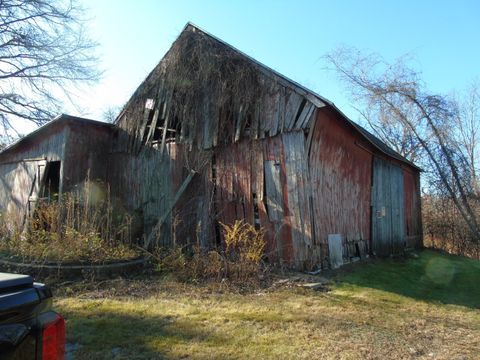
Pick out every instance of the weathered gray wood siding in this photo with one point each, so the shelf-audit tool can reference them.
(81, 148)
(270, 106)
(299, 199)
(388, 226)
(19, 171)
(85, 154)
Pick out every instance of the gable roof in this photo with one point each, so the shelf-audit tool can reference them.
(60, 120)
(316, 99)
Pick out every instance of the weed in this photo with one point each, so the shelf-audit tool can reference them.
(239, 261)
(81, 225)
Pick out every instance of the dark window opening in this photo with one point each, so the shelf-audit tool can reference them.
(51, 184)
(172, 132)
(256, 216)
(300, 109)
(248, 125)
(357, 250)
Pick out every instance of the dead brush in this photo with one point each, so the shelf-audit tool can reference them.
(240, 261)
(81, 226)
(244, 248)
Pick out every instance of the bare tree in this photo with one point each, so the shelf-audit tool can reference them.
(44, 50)
(411, 119)
(110, 114)
(468, 129)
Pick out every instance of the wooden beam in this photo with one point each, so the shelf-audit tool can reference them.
(152, 126)
(156, 229)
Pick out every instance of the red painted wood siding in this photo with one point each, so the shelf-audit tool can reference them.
(413, 225)
(340, 170)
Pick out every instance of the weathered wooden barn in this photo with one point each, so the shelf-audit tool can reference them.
(55, 158)
(212, 135)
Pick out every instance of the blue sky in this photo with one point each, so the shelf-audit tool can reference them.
(289, 36)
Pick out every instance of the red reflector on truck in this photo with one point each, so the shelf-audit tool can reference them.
(53, 340)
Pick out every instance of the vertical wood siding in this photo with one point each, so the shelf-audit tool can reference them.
(85, 153)
(388, 208)
(17, 176)
(413, 224)
(340, 172)
(79, 147)
(299, 195)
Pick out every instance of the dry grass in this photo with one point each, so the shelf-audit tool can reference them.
(83, 225)
(240, 261)
(362, 317)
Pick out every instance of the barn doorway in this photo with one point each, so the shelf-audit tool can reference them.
(387, 208)
(51, 184)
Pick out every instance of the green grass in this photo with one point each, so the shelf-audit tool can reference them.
(432, 277)
(419, 308)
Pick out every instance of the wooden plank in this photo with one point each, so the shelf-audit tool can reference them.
(335, 250)
(274, 125)
(255, 121)
(166, 117)
(299, 195)
(146, 115)
(21, 189)
(281, 109)
(293, 103)
(305, 115)
(273, 189)
(156, 229)
(239, 123)
(152, 126)
(311, 131)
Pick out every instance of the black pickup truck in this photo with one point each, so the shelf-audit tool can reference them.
(29, 328)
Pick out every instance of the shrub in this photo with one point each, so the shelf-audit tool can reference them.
(445, 229)
(239, 260)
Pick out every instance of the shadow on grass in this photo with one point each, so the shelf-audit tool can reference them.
(432, 276)
(112, 335)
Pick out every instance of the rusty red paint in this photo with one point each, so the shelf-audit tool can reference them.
(413, 227)
(340, 173)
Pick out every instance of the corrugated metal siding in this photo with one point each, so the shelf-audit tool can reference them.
(340, 172)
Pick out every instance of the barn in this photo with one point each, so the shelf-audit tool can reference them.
(55, 158)
(210, 136)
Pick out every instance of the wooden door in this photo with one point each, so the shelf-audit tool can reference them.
(26, 186)
(387, 208)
